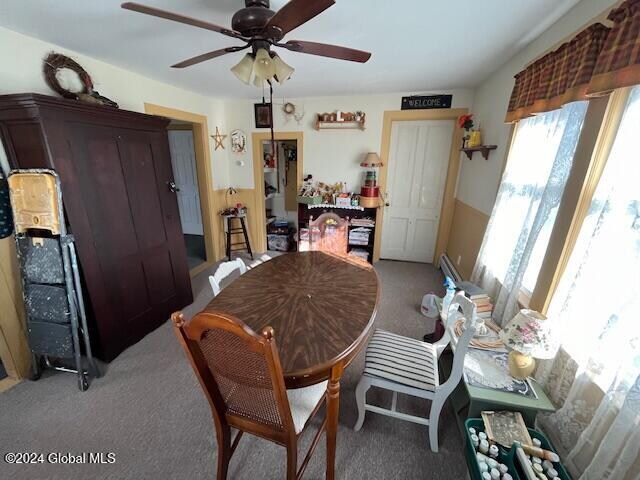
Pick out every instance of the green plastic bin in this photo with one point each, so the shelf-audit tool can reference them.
(508, 457)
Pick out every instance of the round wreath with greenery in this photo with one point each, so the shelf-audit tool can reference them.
(57, 61)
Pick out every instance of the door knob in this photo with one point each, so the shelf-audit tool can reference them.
(172, 186)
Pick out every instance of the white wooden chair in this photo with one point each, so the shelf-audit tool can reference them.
(410, 366)
(223, 271)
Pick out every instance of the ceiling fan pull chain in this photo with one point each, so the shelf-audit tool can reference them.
(273, 140)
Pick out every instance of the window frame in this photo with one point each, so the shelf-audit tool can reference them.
(598, 134)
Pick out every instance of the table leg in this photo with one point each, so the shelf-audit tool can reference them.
(333, 409)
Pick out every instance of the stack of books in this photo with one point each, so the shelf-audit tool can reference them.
(484, 307)
(359, 236)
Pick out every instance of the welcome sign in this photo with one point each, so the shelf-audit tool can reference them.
(417, 102)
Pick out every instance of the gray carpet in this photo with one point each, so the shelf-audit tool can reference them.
(149, 410)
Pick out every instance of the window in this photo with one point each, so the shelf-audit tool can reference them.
(537, 169)
(599, 294)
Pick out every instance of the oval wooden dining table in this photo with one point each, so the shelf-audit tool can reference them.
(322, 308)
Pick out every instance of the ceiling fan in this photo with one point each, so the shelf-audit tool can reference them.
(261, 28)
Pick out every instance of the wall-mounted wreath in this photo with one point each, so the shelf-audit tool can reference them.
(82, 89)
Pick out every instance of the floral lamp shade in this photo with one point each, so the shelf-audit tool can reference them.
(529, 333)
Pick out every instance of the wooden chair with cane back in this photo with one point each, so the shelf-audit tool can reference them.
(242, 378)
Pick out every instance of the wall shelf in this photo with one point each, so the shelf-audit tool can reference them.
(342, 125)
(340, 121)
(484, 149)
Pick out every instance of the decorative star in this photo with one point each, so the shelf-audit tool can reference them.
(218, 138)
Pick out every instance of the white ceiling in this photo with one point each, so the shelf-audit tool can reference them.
(416, 45)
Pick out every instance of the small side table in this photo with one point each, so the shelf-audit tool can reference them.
(231, 230)
(469, 401)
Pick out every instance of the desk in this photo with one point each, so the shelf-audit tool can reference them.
(468, 401)
(321, 307)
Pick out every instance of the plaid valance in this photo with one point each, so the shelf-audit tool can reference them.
(619, 61)
(596, 61)
(559, 77)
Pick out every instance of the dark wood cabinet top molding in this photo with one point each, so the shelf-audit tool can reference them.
(321, 306)
(30, 103)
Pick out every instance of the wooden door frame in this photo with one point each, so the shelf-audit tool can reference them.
(448, 200)
(258, 177)
(205, 177)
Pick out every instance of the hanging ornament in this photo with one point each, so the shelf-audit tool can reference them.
(218, 139)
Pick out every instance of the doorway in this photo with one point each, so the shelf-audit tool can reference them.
(419, 156)
(277, 180)
(420, 188)
(193, 178)
(185, 176)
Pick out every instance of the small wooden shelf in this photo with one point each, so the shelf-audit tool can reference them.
(347, 121)
(484, 149)
(342, 125)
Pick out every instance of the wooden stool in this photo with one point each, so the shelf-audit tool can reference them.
(246, 245)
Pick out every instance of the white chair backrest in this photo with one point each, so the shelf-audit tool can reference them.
(223, 271)
(461, 344)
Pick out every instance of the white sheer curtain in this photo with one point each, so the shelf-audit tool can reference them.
(595, 377)
(536, 173)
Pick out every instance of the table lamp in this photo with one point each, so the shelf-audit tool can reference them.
(370, 191)
(527, 336)
(229, 193)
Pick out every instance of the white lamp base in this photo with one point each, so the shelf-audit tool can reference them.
(521, 366)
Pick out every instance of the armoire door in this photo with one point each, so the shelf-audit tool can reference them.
(124, 180)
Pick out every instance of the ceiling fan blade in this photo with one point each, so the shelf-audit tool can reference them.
(297, 12)
(206, 56)
(156, 12)
(326, 50)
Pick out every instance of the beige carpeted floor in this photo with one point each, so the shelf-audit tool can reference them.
(149, 410)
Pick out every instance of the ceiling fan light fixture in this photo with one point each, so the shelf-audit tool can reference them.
(244, 69)
(283, 71)
(264, 67)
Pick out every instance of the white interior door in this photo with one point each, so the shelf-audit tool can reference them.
(418, 161)
(183, 161)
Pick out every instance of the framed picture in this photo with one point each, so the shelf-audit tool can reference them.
(238, 141)
(263, 116)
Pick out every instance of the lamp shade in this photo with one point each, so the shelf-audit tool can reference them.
(529, 333)
(264, 67)
(283, 71)
(371, 160)
(244, 68)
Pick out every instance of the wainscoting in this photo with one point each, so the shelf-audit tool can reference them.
(465, 238)
(14, 349)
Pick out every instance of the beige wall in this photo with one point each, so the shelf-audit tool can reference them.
(479, 179)
(13, 341)
(21, 72)
(329, 155)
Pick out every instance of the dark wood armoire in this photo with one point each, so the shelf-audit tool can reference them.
(115, 170)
